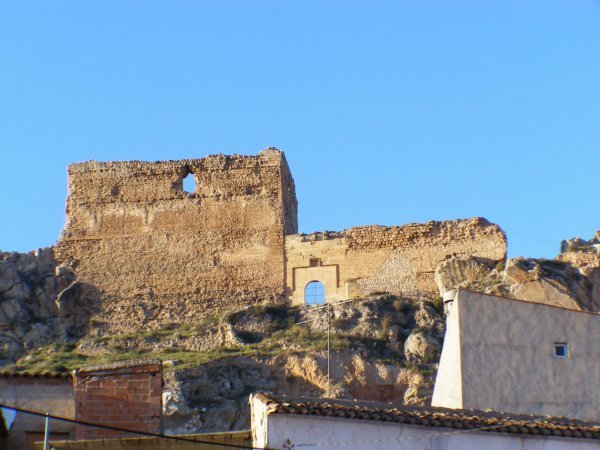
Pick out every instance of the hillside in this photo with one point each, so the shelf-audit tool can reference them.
(383, 347)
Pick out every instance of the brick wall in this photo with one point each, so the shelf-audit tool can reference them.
(124, 394)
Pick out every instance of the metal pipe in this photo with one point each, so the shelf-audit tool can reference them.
(328, 349)
(47, 430)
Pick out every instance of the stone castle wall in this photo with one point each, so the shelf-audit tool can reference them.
(150, 253)
(158, 254)
(399, 260)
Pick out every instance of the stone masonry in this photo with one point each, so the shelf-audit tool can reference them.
(153, 254)
(376, 259)
(157, 254)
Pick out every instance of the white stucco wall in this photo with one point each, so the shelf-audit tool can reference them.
(448, 384)
(54, 395)
(324, 432)
(506, 358)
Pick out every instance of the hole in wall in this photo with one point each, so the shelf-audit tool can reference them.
(189, 183)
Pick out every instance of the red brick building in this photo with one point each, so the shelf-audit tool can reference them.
(125, 394)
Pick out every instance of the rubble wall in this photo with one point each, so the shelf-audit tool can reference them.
(158, 254)
(399, 260)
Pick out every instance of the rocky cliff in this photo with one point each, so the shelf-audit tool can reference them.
(40, 303)
(382, 348)
(572, 280)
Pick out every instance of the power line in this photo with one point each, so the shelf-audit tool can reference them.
(126, 430)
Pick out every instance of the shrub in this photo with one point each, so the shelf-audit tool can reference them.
(384, 329)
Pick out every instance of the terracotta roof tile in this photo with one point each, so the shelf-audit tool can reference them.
(15, 373)
(137, 365)
(460, 419)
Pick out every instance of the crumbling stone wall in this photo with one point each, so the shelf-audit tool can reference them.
(399, 260)
(155, 254)
(158, 254)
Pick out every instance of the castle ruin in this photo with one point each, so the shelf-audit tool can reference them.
(153, 253)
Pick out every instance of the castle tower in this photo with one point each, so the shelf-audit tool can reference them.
(153, 251)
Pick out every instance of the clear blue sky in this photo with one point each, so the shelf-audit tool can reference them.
(389, 112)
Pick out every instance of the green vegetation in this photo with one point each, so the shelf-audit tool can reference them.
(386, 323)
(296, 339)
(264, 331)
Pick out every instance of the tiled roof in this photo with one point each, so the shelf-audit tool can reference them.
(136, 365)
(15, 373)
(144, 365)
(459, 419)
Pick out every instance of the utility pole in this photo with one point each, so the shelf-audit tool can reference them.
(328, 307)
(328, 350)
(328, 310)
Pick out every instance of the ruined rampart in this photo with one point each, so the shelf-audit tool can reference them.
(158, 254)
(399, 260)
(152, 253)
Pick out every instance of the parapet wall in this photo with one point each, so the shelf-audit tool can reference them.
(158, 254)
(399, 260)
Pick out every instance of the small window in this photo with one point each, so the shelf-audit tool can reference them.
(560, 350)
(314, 293)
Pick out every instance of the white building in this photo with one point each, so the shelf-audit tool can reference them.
(522, 357)
(284, 423)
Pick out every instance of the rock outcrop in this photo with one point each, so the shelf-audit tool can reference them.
(572, 280)
(383, 348)
(578, 245)
(40, 303)
(214, 397)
